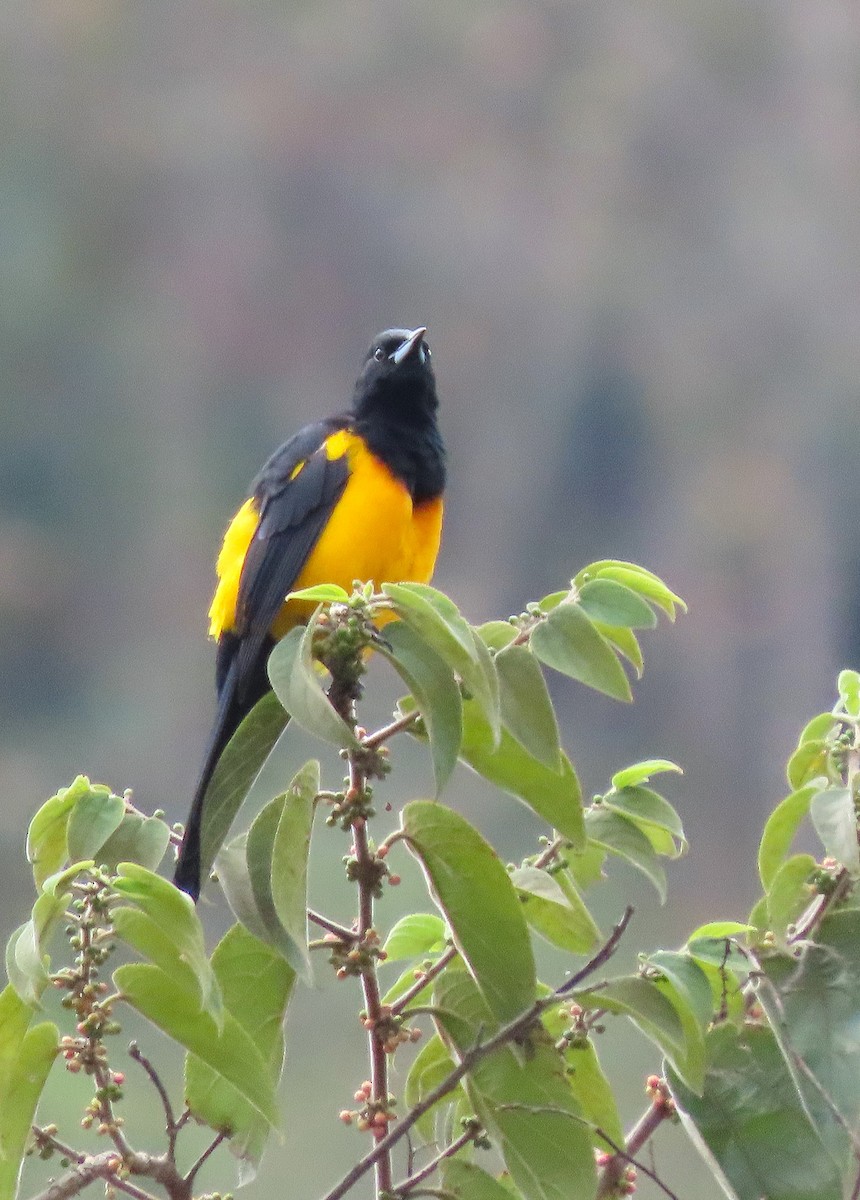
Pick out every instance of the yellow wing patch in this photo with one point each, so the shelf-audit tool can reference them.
(237, 539)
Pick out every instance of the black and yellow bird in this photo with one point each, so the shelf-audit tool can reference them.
(355, 496)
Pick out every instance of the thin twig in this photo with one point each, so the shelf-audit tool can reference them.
(370, 985)
(372, 740)
(425, 978)
(546, 856)
(514, 1030)
(210, 1149)
(603, 955)
(340, 931)
(137, 1054)
(86, 1169)
(408, 1185)
(641, 1133)
(131, 1189)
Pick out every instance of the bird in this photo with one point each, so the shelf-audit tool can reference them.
(356, 496)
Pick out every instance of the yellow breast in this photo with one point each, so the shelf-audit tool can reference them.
(374, 533)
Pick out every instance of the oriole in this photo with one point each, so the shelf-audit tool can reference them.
(355, 496)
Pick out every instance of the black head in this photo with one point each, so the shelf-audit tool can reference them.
(396, 378)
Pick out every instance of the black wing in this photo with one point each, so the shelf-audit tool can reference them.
(294, 509)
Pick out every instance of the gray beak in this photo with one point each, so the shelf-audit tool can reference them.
(408, 346)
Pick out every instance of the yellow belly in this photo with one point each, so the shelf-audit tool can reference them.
(373, 534)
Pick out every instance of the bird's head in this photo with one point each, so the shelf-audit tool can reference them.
(397, 376)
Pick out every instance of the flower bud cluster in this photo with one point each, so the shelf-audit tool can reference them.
(373, 1115)
(354, 957)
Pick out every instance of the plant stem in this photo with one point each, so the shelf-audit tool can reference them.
(210, 1149)
(408, 1185)
(387, 731)
(135, 1052)
(426, 977)
(369, 979)
(661, 1110)
(340, 931)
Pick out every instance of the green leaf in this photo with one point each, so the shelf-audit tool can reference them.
(585, 866)
(435, 691)
(568, 642)
(46, 838)
(527, 710)
(593, 1092)
(298, 687)
(142, 840)
(645, 583)
(686, 986)
(227, 1049)
(716, 943)
(789, 894)
(55, 884)
(430, 1066)
(259, 850)
(722, 952)
(175, 913)
(641, 772)
(523, 1099)
(438, 621)
(484, 686)
(835, 820)
(94, 818)
(24, 967)
(496, 634)
(154, 943)
(235, 880)
(622, 837)
(257, 985)
(548, 603)
(321, 593)
(848, 684)
(811, 760)
(625, 641)
(817, 729)
(650, 812)
(779, 833)
(26, 951)
(415, 936)
(237, 768)
(647, 1007)
(290, 860)
(615, 604)
(719, 929)
(554, 796)
(26, 1057)
(749, 1123)
(475, 893)
(550, 912)
(464, 1180)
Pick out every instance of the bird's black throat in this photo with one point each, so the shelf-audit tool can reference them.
(410, 445)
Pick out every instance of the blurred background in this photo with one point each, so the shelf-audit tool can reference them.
(632, 232)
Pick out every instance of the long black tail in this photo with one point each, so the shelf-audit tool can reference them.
(227, 720)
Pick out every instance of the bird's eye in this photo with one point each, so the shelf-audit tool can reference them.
(379, 354)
